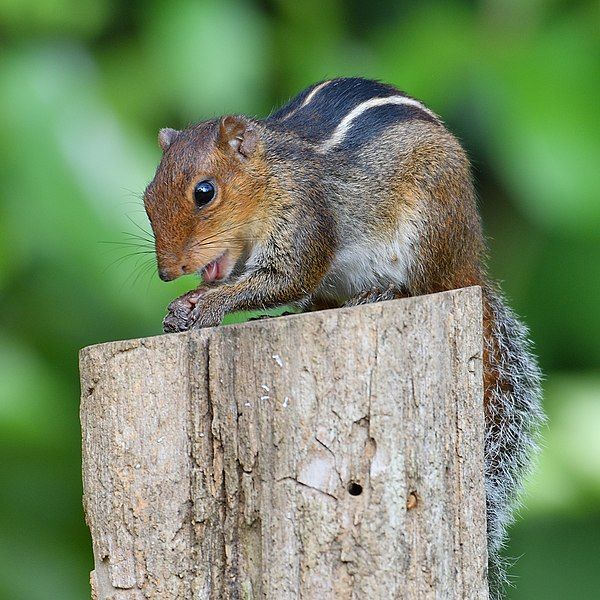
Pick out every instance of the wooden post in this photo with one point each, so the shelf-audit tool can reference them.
(331, 455)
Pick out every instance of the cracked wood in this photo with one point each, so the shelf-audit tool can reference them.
(331, 455)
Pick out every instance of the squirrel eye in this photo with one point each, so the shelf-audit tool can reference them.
(204, 192)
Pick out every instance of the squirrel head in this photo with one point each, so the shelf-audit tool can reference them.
(203, 199)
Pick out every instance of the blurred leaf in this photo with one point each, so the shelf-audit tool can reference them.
(427, 52)
(83, 17)
(568, 477)
(31, 397)
(541, 117)
(555, 557)
(208, 58)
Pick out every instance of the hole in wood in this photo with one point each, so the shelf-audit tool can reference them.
(354, 489)
(412, 501)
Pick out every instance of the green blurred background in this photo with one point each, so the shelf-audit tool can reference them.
(84, 87)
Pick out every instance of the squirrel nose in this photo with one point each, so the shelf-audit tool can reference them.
(169, 275)
(165, 275)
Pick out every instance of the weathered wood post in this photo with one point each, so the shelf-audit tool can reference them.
(331, 455)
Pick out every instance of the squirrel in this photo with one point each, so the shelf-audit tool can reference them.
(353, 192)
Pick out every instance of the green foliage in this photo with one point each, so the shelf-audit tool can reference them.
(85, 85)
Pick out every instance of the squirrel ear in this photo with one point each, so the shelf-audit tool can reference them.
(239, 134)
(166, 137)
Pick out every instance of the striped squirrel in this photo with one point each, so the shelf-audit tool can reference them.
(353, 192)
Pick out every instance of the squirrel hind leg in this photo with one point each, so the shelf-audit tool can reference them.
(377, 294)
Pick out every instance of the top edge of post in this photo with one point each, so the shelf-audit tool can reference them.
(472, 293)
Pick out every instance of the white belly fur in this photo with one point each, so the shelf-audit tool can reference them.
(361, 266)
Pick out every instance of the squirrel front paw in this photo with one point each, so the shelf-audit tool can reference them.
(206, 313)
(179, 312)
(194, 309)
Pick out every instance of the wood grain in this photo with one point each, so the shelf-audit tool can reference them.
(337, 454)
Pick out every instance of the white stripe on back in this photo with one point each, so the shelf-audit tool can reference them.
(342, 129)
(308, 98)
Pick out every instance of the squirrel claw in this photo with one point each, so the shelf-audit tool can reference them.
(205, 316)
(186, 302)
(377, 295)
(180, 311)
(172, 324)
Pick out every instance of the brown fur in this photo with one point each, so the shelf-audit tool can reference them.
(185, 238)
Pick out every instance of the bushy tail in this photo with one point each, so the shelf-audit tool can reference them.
(513, 419)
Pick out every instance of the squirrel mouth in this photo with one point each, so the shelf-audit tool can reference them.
(216, 269)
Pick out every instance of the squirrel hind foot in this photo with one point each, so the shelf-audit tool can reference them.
(377, 294)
